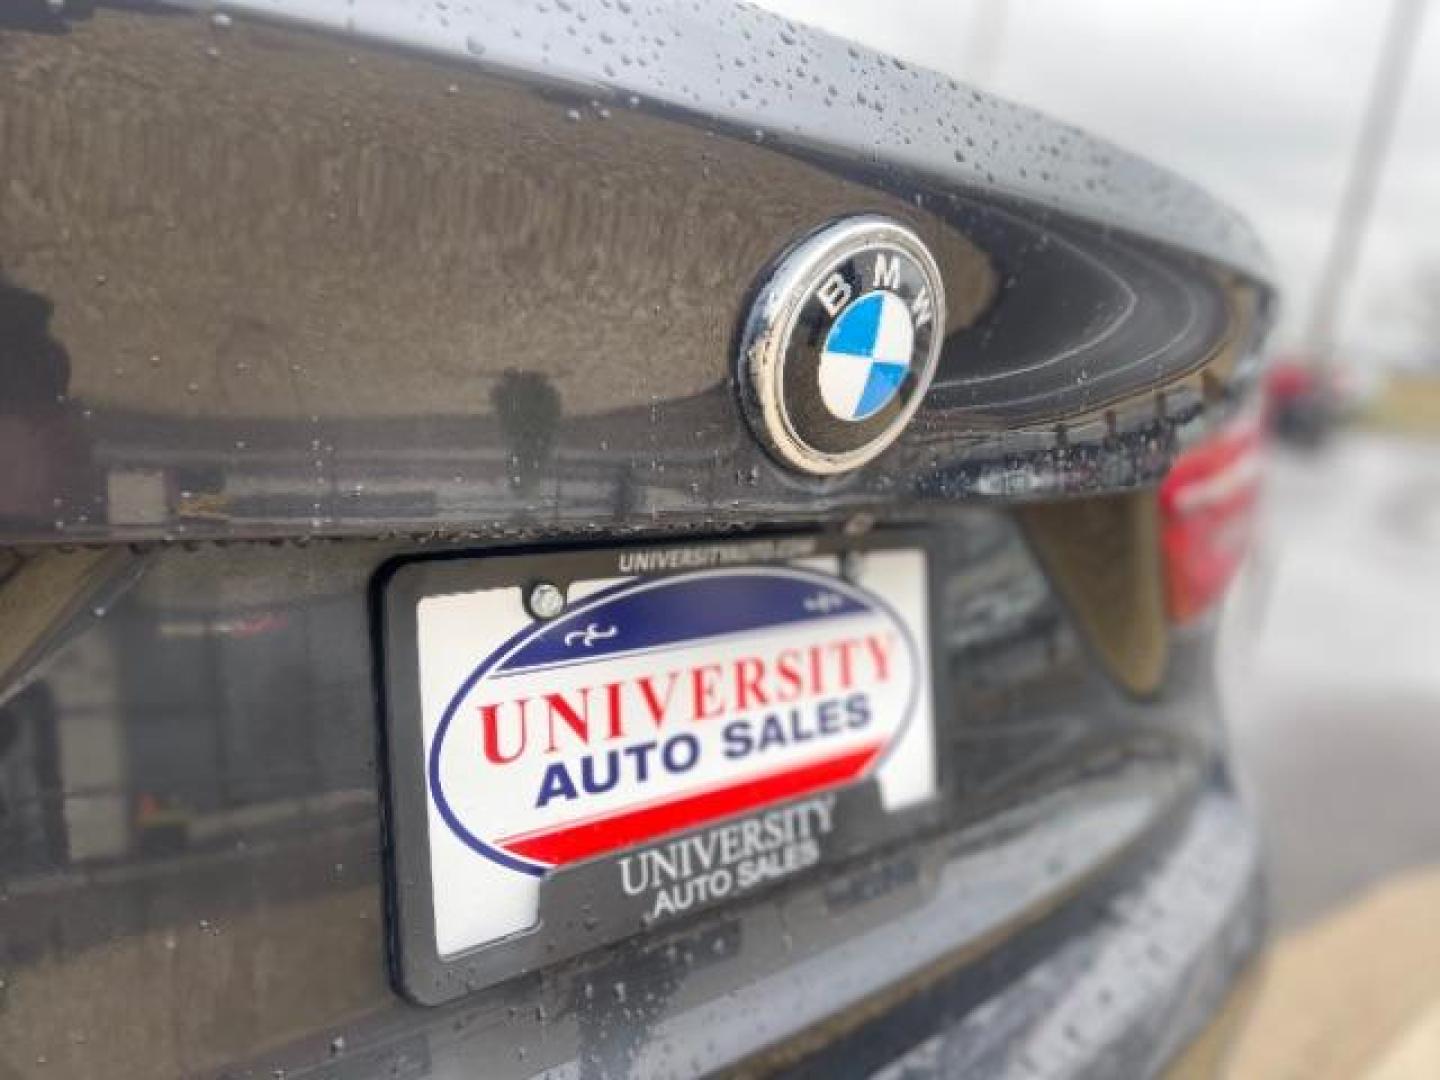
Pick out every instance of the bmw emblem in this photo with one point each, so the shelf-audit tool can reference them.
(841, 344)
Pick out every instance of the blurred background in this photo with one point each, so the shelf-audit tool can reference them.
(1320, 121)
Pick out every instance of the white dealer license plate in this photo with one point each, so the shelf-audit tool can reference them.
(694, 723)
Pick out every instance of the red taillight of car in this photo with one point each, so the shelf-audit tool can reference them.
(1207, 513)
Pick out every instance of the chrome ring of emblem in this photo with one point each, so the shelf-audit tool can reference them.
(769, 341)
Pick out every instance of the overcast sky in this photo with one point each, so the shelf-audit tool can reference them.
(1257, 100)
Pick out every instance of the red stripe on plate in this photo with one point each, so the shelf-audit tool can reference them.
(570, 843)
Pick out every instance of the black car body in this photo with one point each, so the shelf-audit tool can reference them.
(294, 293)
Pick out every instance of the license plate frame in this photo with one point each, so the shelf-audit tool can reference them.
(580, 907)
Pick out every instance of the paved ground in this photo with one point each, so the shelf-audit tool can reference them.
(1334, 698)
(1335, 694)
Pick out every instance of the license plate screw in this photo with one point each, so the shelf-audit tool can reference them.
(545, 600)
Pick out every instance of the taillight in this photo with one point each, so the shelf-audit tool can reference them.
(1207, 512)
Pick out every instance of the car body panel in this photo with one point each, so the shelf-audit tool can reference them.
(260, 281)
(209, 813)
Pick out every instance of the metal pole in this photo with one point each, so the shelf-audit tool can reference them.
(1357, 202)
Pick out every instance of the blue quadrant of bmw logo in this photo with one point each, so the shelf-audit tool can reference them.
(866, 355)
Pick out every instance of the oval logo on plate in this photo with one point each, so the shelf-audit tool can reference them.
(842, 343)
(658, 706)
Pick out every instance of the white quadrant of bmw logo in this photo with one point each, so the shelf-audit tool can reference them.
(841, 344)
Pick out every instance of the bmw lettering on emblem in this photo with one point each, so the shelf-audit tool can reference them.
(841, 344)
